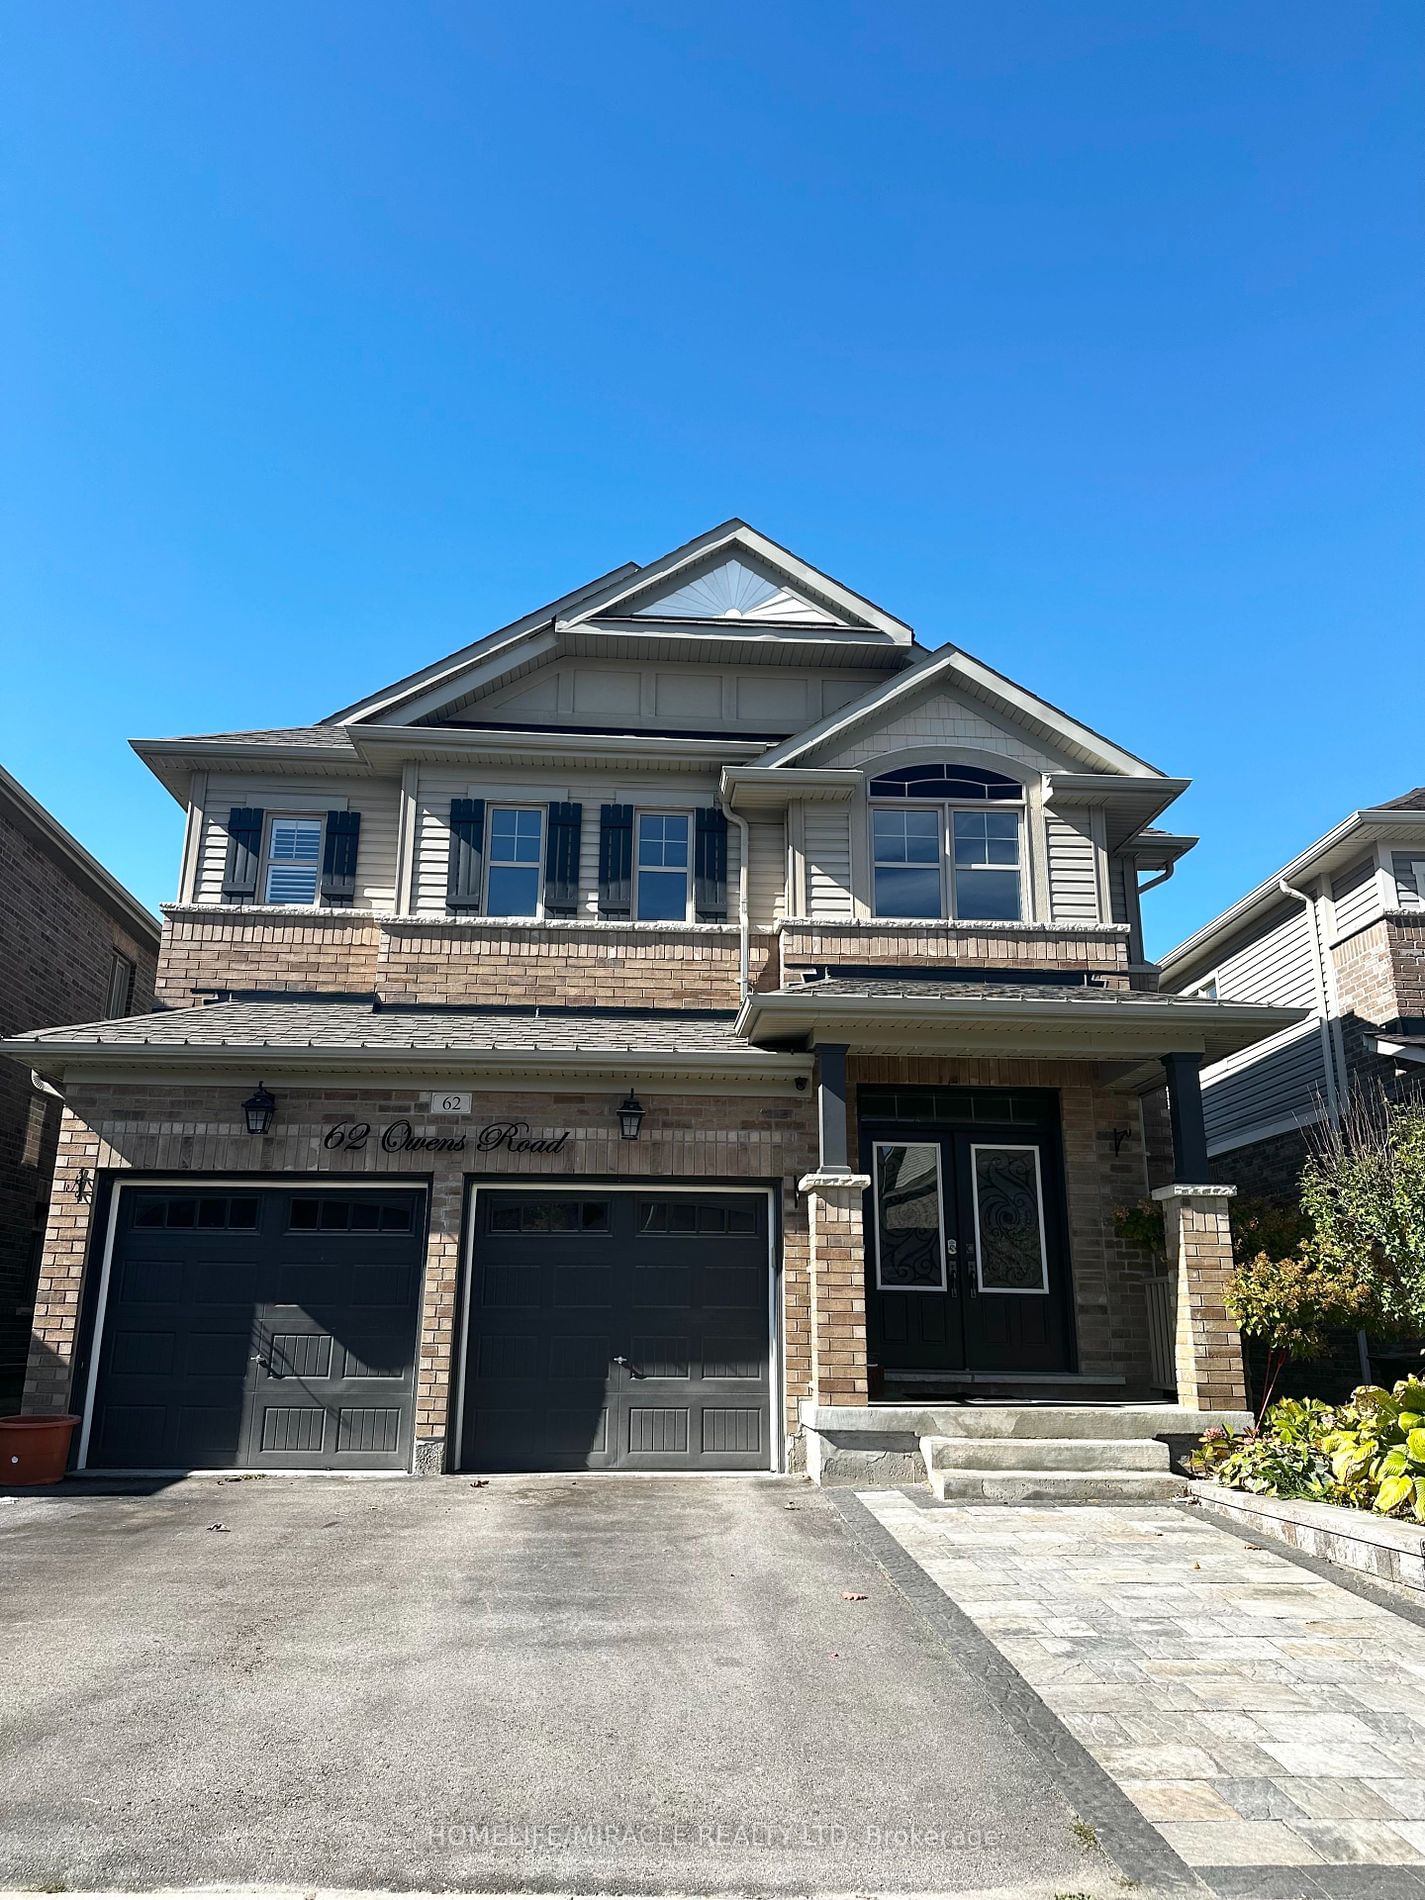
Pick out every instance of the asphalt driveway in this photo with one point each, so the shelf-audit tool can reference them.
(598, 1685)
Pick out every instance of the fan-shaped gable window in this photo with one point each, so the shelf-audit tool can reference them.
(945, 781)
(950, 853)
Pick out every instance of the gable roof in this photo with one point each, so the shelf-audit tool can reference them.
(455, 663)
(950, 667)
(733, 572)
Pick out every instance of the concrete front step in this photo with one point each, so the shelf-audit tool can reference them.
(1056, 1487)
(1044, 1454)
(1110, 1423)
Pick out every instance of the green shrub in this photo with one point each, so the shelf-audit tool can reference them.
(1369, 1453)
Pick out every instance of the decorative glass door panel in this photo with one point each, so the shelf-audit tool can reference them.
(910, 1217)
(1010, 1252)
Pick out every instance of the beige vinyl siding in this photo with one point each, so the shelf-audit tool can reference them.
(378, 801)
(1355, 896)
(431, 863)
(826, 850)
(939, 719)
(1073, 867)
(766, 870)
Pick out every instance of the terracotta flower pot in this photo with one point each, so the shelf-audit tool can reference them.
(35, 1450)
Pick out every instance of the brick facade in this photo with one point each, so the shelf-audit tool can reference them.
(198, 1131)
(580, 964)
(60, 938)
(1208, 1346)
(1100, 949)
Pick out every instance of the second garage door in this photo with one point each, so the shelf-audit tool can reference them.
(259, 1328)
(618, 1331)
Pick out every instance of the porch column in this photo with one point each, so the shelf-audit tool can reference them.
(1185, 1117)
(838, 1245)
(1208, 1345)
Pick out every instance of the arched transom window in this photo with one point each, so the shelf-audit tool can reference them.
(947, 841)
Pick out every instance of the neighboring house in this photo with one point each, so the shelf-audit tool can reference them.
(1339, 933)
(635, 1041)
(74, 946)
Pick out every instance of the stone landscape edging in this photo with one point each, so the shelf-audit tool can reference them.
(1382, 1550)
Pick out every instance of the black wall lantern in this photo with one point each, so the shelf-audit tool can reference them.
(259, 1109)
(630, 1116)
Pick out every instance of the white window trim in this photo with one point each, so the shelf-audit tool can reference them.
(876, 1148)
(640, 812)
(1009, 1292)
(271, 818)
(537, 914)
(946, 808)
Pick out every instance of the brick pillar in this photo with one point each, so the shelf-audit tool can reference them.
(838, 1285)
(1209, 1347)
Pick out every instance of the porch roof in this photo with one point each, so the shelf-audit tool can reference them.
(901, 1013)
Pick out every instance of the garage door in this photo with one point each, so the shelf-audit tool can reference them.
(623, 1331)
(259, 1329)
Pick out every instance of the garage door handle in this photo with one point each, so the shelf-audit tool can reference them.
(619, 1359)
(631, 1369)
(266, 1364)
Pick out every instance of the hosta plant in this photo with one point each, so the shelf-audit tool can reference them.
(1377, 1450)
(1369, 1453)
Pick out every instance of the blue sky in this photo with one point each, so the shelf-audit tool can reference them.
(1087, 337)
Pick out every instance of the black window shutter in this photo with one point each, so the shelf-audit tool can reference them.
(339, 857)
(244, 855)
(710, 866)
(561, 860)
(467, 853)
(616, 860)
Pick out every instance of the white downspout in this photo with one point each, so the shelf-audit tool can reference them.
(1323, 1001)
(744, 926)
(1328, 1057)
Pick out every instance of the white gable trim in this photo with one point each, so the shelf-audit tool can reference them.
(656, 579)
(447, 671)
(951, 666)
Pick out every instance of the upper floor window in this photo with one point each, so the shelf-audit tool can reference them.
(515, 861)
(292, 862)
(942, 849)
(121, 986)
(661, 866)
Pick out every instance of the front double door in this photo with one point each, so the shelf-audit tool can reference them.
(967, 1267)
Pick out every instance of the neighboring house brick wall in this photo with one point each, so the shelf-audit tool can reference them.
(58, 942)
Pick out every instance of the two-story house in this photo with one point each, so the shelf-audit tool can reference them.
(687, 1017)
(1339, 934)
(74, 944)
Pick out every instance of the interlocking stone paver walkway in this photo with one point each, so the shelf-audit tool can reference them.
(1258, 1715)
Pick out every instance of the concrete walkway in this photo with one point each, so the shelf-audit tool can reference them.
(599, 1685)
(1270, 1724)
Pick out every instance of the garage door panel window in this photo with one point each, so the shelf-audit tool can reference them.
(209, 1212)
(683, 1215)
(550, 1217)
(312, 1213)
